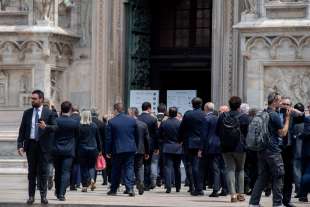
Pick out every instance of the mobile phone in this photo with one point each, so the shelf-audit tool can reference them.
(39, 120)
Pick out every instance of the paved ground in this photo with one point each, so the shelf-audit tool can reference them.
(13, 192)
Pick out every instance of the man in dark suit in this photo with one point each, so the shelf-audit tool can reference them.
(212, 150)
(150, 165)
(121, 147)
(64, 149)
(143, 149)
(191, 134)
(75, 177)
(34, 138)
(171, 149)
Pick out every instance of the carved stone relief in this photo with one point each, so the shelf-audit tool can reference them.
(3, 88)
(44, 10)
(249, 6)
(56, 86)
(277, 63)
(85, 21)
(13, 5)
(291, 81)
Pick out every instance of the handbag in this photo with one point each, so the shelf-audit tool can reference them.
(100, 163)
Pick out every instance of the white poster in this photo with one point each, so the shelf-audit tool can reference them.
(182, 99)
(137, 97)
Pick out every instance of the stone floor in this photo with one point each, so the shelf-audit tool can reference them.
(13, 192)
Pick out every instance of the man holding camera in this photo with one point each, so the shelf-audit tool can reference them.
(34, 140)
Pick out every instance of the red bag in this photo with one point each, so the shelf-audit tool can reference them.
(100, 164)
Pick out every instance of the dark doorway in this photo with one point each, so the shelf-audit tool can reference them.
(180, 54)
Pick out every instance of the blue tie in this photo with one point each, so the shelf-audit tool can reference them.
(36, 129)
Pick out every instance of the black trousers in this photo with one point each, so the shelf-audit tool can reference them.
(287, 156)
(62, 174)
(172, 171)
(193, 165)
(37, 169)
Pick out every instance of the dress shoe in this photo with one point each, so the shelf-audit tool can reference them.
(131, 193)
(111, 193)
(44, 201)
(168, 190)
(288, 205)
(223, 193)
(30, 201)
(303, 199)
(177, 190)
(214, 195)
(140, 189)
(240, 197)
(61, 198)
(125, 191)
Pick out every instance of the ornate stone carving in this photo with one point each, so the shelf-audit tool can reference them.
(3, 87)
(44, 11)
(291, 81)
(249, 6)
(139, 50)
(13, 5)
(86, 16)
(24, 84)
(56, 91)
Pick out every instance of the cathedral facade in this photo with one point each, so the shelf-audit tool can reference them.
(93, 52)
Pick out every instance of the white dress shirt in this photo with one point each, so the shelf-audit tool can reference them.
(33, 123)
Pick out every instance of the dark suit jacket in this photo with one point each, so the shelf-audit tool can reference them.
(212, 144)
(66, 136)
(143, 145)
(45, 140)
(168, 133)
(89, 140)
(122, 134)
(101, 129)
(151, 123)
(191, 131)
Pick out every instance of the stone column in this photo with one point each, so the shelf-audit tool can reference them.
(222, 51)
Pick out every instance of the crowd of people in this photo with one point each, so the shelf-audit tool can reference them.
(236, 150)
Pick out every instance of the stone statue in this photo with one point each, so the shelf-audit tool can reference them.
(45, 9)
(23, 84)
(85, 22)
(249, 6)
(4, 4)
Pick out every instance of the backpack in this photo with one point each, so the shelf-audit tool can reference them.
(258, 136)
(231, 132)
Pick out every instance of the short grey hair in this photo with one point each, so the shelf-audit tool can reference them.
(244, 108)
(209, 106)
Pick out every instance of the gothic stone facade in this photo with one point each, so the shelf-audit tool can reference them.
(75, 50)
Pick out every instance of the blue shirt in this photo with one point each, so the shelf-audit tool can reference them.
(275, 123)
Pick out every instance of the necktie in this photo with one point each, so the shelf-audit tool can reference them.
(36, 129)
